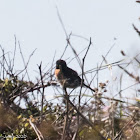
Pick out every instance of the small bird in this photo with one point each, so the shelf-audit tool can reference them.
(67, 77)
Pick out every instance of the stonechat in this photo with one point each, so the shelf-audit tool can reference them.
(67, 77)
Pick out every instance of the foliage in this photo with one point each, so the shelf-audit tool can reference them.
(24, 110)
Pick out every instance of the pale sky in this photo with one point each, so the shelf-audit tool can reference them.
(36, 25)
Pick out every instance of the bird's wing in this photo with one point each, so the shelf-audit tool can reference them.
(71, 73)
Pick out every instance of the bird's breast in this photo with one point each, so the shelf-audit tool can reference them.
(58, 74)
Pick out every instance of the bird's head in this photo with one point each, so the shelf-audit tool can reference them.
(61, 64)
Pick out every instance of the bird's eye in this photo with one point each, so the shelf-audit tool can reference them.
(57, 66)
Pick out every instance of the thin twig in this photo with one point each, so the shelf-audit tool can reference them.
(14, 53)
(124, 127)
(103, 60)
(82, 82)
(68, 38)
(136, 29)
(38, 133)
(26, 65)
(131, 75)
(23, 60)
(52, 66)
(43, 88)
(64, 51)
(65, 128)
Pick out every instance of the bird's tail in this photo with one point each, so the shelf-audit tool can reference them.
(88, 87)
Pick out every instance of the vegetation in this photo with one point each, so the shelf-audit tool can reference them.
(25, 112)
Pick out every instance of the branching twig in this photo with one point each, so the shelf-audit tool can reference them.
(82, 82)
(26, 65)
(84, 118)
(68, 38)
